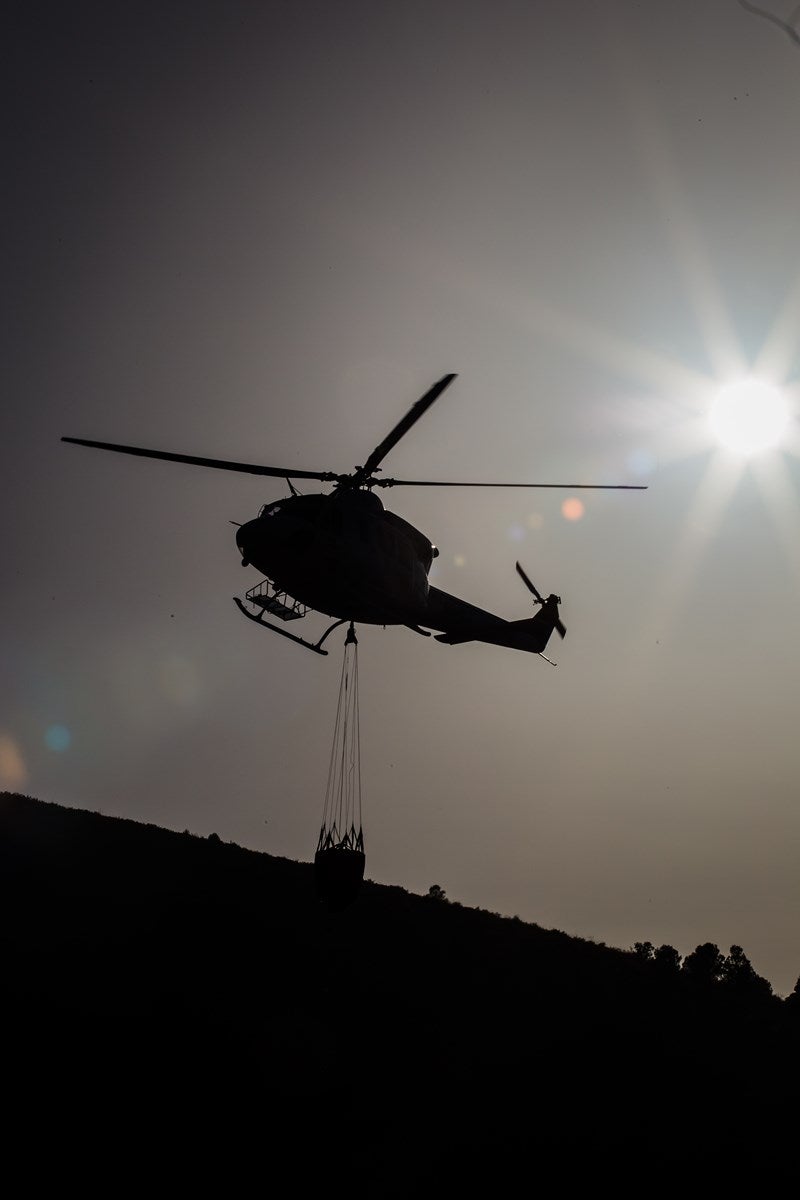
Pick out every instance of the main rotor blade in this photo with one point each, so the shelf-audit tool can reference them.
(561, 628)
(572, 487)
(221, 463)
(400, 430)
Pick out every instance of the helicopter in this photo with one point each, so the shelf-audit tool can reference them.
(344, 555)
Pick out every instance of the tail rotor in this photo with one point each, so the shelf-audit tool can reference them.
(552, 602)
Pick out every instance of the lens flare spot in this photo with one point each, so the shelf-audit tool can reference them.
(535, 521)
(459, 560)
(516, 533)
(572, 509)
(13, 772)
(58, 738)
(749, 416)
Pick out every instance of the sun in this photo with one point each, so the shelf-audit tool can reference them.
(749, 416)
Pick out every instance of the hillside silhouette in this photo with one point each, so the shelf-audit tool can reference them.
(154, 978)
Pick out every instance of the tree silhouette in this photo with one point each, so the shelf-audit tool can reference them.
(792, 1001)
(738, 975)
(667, 958)
(705, 965)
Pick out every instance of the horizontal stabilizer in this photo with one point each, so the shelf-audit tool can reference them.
(476, 634)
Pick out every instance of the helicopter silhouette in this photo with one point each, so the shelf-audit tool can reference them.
(343, 554)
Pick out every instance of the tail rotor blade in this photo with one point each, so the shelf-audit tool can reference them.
(561, 627)
(530, 586)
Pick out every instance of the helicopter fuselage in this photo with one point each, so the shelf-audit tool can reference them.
(342, 554)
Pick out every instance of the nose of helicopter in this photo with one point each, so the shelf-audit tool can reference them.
(246, 539)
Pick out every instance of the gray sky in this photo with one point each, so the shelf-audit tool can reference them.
(261, 231)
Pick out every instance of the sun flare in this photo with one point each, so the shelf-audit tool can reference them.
(748, 416)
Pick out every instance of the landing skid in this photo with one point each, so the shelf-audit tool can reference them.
(258, 618)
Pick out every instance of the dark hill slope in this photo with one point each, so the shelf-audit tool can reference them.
(150, 972)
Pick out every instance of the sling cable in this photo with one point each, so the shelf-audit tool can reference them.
(339, 860)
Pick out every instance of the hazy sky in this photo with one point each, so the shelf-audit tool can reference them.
(262, 230)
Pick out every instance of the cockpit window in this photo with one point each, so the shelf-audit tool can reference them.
(269, 510)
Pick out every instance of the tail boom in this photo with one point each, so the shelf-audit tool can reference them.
(462, 622)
